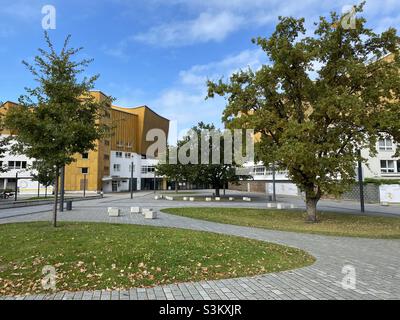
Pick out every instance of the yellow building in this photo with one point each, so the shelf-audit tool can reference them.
(108, 167)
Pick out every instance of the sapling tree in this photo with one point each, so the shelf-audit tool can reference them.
(59, 117)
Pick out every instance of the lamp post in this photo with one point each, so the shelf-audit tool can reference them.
(361, 182)
(16, 187)
(84, 185)
(131, 184)
(62, 188)
(273, 183)
(154, 180)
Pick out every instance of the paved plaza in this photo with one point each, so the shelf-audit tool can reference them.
(375, 262)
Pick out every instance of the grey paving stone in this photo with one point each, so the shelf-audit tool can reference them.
(376, 261)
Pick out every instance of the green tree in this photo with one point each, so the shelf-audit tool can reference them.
(195, 170)
(45, 174)
(173, 170)
(318, 101)
(215, 174)
(59, 117)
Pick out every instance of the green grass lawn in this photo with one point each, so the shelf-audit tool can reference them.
(171, 193)
(91, 256)
(329, 223)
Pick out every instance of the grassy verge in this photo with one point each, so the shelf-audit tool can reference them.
(329, 224)
(90, 256)
(203, 198)
(171, 193)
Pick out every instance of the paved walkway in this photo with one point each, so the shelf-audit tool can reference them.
(376, 262)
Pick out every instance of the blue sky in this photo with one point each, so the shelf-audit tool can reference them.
(159, 52)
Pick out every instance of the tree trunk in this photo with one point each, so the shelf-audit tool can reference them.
(217, 191)
(55, 199)
(311, 205)
(45, 192)
(176, 186)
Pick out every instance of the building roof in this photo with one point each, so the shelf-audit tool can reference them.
(128, 110)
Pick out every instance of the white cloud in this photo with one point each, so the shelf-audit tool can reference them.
(206, 27)
(185, 101)
(217, 19)
(198, 74)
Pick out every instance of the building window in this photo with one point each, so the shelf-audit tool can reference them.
(398, 166)
(120, 144)
(106, 157)
(17, 164)
(85, 170)
(147, 169)
(118, 154)
(117, 167)
(385, 145)
(259, 171)
(129, 145)
(85, 155)
(387, 166)
(127, 155)
(144, 156)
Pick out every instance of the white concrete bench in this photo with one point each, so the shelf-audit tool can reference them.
(191, 199)
(208, 199)
(231, 198)
(135, 209)
(185, 198)
(246, 199)
(280, 206)
(149, 214)
(113, 212)
(169, 198)
(217, 199)
(271, 205)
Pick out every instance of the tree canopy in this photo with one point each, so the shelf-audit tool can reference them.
(193, 159)
(59, 117)
(318, 100)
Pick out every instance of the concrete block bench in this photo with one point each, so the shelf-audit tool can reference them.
(231, 198)
(271, 205)
(169, 198)
(247, 199)
(191, 199)
(280, 206)
(135, 210)
(185, 198)
(217, 199)
(113, 212)
(149, 213)
(208, 199)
